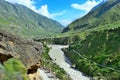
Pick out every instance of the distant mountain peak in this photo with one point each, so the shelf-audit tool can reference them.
(106, 15)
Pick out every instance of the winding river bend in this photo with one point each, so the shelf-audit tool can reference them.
(59, 58)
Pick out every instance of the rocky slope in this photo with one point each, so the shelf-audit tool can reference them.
(23, 21)
(14, 47)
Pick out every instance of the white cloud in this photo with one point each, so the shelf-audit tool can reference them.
(87, 6)
(53, 15)
(44, 11)
(65, 22)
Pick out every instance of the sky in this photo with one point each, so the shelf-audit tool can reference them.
(63, 11)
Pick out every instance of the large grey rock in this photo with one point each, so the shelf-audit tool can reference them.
(28, 51)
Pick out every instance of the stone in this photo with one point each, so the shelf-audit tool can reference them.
(28, 51)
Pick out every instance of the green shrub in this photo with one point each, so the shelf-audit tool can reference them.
(102, 50)
(13, 70)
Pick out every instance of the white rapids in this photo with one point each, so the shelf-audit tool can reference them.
(57, 55)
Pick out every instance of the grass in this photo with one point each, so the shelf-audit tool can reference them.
(13, 69)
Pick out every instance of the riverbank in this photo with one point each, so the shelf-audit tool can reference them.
(57, 55)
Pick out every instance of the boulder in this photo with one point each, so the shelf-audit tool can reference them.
(28, 51)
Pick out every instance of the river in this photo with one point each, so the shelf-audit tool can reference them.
(57, 55)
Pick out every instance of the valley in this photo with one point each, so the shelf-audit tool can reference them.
(35, 47)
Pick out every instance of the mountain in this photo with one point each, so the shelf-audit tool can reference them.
(23, 21)
(95, 49)
(104, 15)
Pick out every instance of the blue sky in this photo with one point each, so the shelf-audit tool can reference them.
(63, 11)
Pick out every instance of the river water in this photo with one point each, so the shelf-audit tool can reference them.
(59, 58)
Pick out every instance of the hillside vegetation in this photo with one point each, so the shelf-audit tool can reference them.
(25, 22)
(98, 55)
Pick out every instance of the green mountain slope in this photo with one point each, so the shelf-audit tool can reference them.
(98, 55)
(97, 52)
(21, 20)
(102, 16)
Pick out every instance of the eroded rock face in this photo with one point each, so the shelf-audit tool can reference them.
(27, 51)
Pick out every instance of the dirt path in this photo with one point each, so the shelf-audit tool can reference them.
(59, 58)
